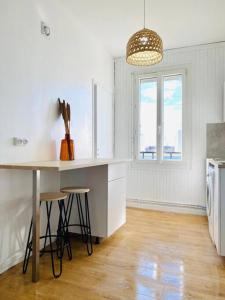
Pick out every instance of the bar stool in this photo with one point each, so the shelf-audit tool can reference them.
(62, 239)
(84, 222)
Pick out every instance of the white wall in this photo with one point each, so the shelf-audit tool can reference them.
(35, 70)
(177, 189)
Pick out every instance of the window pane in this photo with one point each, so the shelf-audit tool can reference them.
(148, 119)
(172, 112)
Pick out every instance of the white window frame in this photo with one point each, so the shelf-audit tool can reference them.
(186, 117)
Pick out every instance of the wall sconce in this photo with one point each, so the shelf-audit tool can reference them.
(45, 29)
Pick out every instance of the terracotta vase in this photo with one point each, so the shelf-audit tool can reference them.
(67, 148)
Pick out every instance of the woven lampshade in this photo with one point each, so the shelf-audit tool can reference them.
(144, 48)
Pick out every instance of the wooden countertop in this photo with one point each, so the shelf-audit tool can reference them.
(60, 165)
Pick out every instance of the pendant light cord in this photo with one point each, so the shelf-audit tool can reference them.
(144, 13)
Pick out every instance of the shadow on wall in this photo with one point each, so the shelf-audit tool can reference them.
(14, 227)
(16, 213)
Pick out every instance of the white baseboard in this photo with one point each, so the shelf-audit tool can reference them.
(11, 261)
(167, 206)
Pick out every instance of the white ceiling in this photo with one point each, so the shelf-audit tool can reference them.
(178, 22)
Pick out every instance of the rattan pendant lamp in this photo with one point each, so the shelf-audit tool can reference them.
(144, 48)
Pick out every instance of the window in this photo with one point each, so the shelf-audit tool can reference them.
(160, 117)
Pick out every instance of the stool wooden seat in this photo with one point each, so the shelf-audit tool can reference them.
(57, 196)
(75, 190)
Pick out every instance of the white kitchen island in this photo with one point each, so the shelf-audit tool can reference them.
(105, 178)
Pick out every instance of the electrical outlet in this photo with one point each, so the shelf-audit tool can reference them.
(20, 141)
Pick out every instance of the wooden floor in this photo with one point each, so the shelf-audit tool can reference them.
(155, 255)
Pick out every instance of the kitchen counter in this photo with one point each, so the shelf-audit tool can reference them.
(106, 180)
(217, 161)
(61, 165)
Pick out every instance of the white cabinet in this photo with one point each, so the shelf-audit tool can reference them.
(116, 204)
(116, 197)
(107, 198)
(219, 216)
(216, 207)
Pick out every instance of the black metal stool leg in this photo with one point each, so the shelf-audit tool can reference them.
(65, 232)
(69, 207)
(28, 249)
(46, 231)
(51, 245)
(63, 227)
(88, 226)
(67, 210)
(81, 218)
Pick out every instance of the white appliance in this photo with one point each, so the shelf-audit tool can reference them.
(215, 202)
(210, 178)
